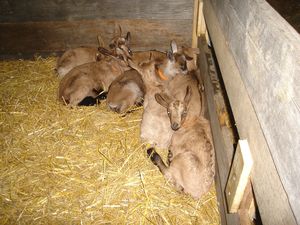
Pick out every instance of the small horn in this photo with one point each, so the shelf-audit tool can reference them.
(100, 41)
(104, 51)
(120, 30)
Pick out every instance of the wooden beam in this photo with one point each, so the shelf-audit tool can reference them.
(267, 184)
(69, 10)
(201, 27)
(239, 176)
(195, 24)
(47, 37)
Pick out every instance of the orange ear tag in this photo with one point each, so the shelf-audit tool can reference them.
(161, 75)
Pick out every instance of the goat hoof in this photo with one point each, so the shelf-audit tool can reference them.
(154, 157)
(150, 151)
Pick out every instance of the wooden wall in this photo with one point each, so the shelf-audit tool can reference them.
(258, 53)
(46, 26)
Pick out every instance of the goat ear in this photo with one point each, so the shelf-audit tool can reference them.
(188, 95)
(174, 48)
(161, 99)
(128, 37)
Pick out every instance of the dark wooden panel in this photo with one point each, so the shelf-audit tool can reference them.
(268, 188)
(47, 37)
(222, 147)
(52, 10)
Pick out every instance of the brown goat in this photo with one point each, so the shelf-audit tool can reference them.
(81, 55)
(126, 91)
(155, 125)
(191, 154)
(75, 57)
(129, 89)
(88, 80)
(143, 56)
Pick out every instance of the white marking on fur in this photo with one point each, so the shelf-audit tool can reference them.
(62, 71)
(170, 70)
(113, 105)
(134, 88)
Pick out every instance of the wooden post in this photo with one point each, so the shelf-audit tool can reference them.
(195, 22)
(239, 176)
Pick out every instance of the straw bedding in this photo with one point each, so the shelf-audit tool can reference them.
(79, 166)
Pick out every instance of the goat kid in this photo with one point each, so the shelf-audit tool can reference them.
(191, 154)
(155, 125)
(126, 91)
(81, 55)
(129, 89)
(82, 84)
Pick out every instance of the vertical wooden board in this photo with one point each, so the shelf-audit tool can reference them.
(267, 184)
(239, 176)
(226, 218)
(195, 24)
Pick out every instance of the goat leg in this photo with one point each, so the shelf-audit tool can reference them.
(156, 159)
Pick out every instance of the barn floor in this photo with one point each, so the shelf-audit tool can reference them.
(79, 166)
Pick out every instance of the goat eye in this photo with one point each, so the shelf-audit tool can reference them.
(168, 112)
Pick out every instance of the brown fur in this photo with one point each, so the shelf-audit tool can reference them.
(126, 91)
(129, 89)
(88, 79)
(155, 128)
(155, 125)
(191, 157)
(190, 53)
(176, 89)
(78, 56)
(142, 56)
(75, 57)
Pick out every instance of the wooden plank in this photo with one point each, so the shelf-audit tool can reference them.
(221, 142)
(46, 37)
(267, 184)
(201, 27)
(267, 52)
(70, 10)
(239, 176)
(221, 201)
(195, 24)
(247, 211)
